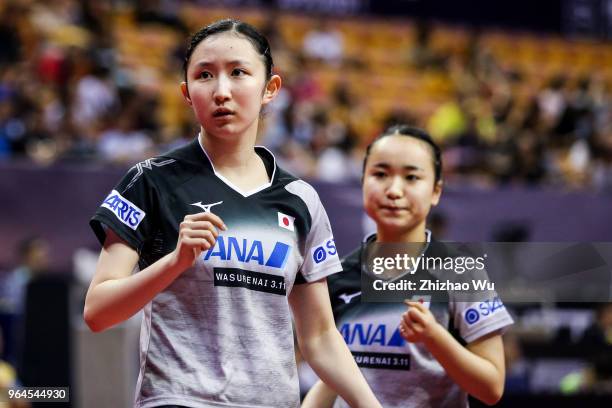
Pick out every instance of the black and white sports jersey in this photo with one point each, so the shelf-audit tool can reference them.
(404, 374)
(220, 335)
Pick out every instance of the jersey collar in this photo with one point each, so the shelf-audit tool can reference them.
(368, 239)
(372, 237)
(268, 159)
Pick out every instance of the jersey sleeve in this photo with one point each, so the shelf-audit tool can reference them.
(475, 319)
(128, 209)
(320, 255)
(334, 287)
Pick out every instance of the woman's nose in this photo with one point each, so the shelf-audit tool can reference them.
(395, 189)
(222, 92)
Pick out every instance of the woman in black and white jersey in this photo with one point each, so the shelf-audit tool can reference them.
(226, 243)
(406, 351)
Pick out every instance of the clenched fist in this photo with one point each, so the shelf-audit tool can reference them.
(197, 233)
(418, 324)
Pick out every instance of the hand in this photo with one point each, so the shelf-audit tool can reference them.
(197, 233)
(418, 324)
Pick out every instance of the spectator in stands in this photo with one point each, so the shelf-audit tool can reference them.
(33, 258)
(517, 368)
(159, 12)
(552, 101)
(324, 43)
(596, 378)
(95, 97)
(336, 163)
(599, 333)
(422, 55)
(597, 341)
(10, 43)
(33, 253)
(602, 167)
(123, 142)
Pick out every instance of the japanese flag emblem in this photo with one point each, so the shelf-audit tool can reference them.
(286, 221)
(424, 300)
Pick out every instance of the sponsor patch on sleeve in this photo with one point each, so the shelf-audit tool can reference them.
(126, 211)
(483, 310)
(324, 251)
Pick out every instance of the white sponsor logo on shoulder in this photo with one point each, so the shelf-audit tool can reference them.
(126, 211)
(324, 251)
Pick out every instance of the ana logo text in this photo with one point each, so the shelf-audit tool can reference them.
(246, 251)
(369, 334)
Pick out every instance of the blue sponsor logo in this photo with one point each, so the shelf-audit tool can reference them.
(489, 307)
(246, 251)
(472, 316)
(322, 251)
(126, 211)
(370, 334)
(319, 254)
(484, 309)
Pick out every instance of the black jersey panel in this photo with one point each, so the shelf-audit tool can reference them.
(346, 285)
(130, 209)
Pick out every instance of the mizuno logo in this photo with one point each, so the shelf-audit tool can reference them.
(347, 298)
(205, 207)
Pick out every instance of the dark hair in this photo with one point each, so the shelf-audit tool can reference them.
(259, 41)
(410, 131)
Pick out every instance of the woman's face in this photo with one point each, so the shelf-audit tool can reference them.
(399, 183)
(226, 84)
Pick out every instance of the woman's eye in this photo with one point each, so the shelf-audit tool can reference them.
(204, 75)
(412, 177)
(238, 72)
(379, 174)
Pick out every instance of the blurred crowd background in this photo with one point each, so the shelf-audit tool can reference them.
(84, 80)
(87, 84)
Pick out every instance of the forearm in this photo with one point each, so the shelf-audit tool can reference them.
(331, 359)
(115, 300)
(474, 374)
(319, 396)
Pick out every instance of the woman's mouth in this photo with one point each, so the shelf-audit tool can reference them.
(392, 208)
(222, 112)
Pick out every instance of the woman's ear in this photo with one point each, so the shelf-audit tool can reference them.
(437, 192)
(185, 92)
(272, 88)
